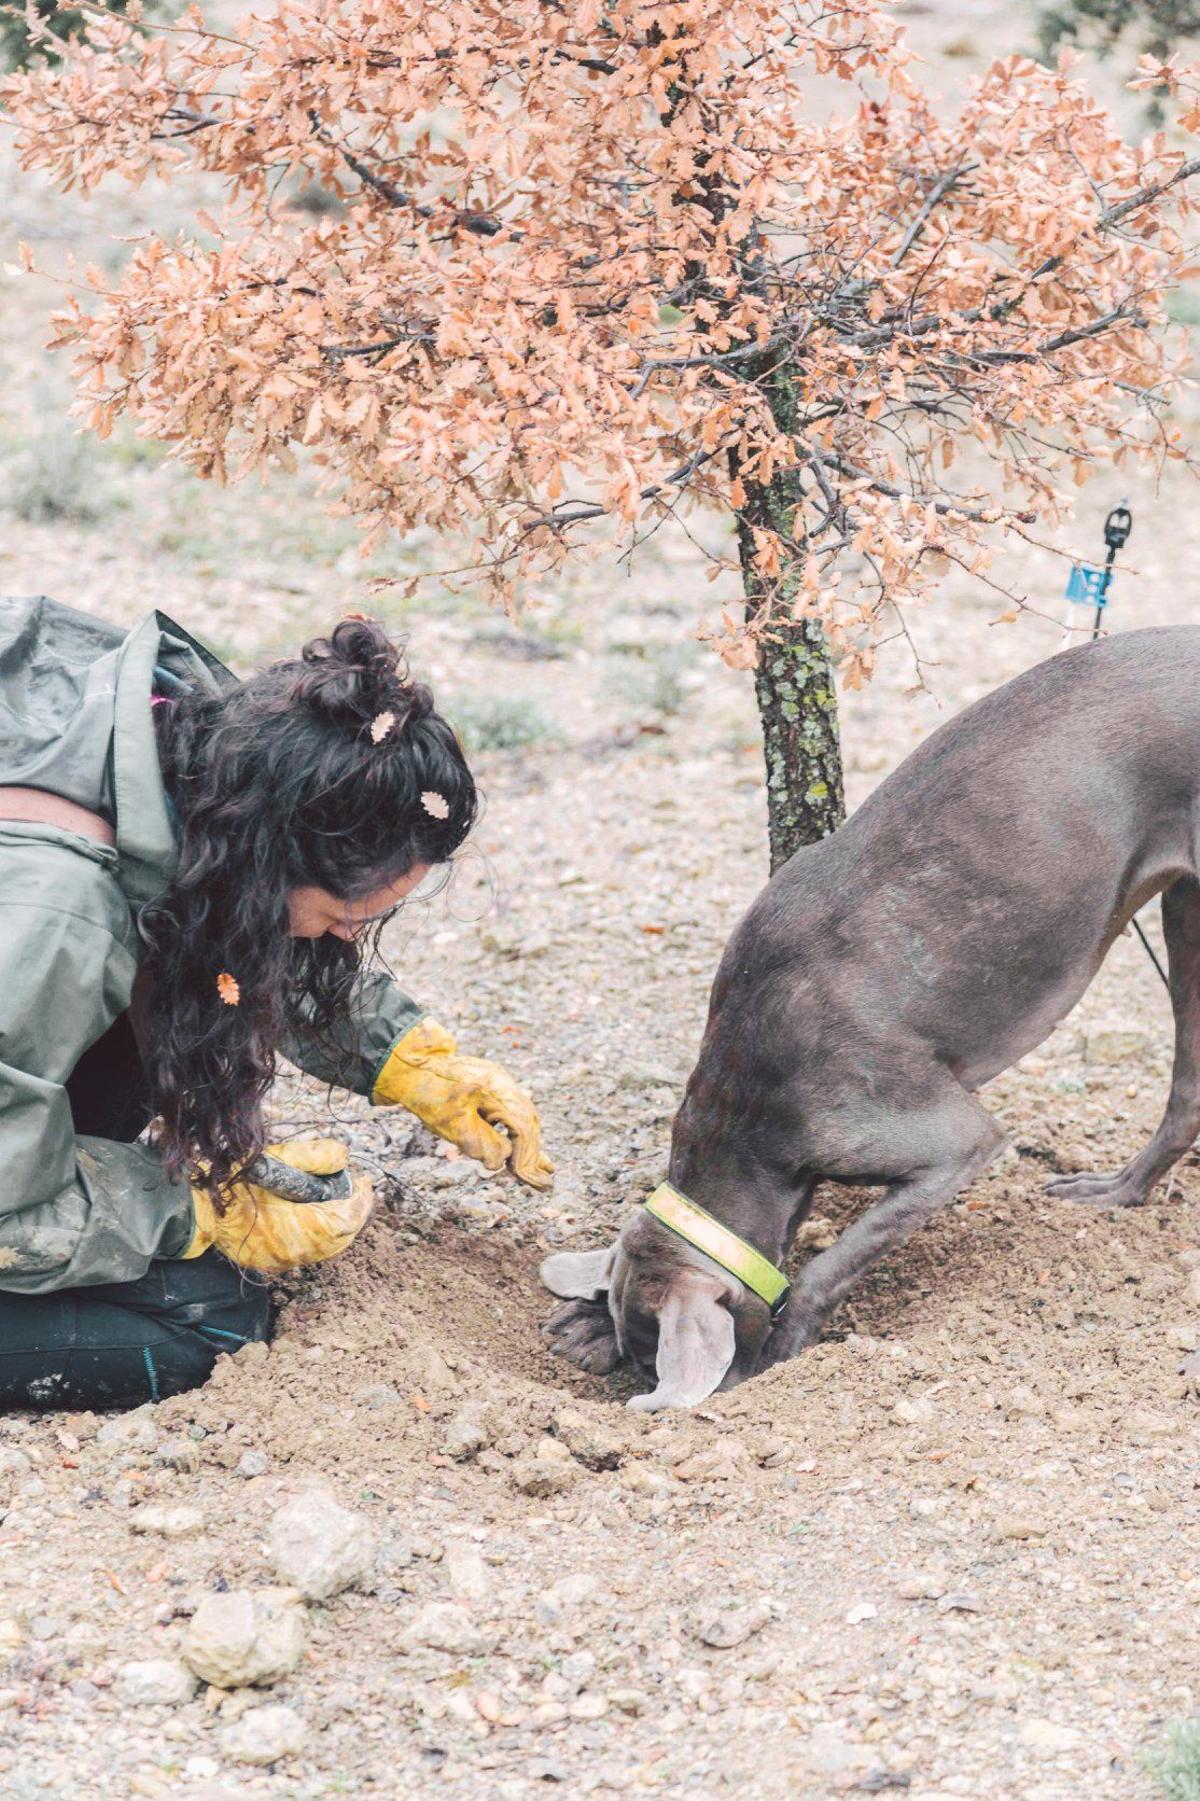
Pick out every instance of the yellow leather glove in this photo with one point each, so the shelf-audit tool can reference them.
(263, 1231)
(463, 1099)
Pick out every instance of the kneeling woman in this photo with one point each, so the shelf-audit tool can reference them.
(189, 866)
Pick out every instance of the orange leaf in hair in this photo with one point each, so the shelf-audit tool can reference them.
(228, 989)
(381, 725)
(436, 804)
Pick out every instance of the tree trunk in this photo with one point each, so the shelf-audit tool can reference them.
(797, 697)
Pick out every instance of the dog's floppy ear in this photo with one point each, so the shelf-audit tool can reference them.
(578, 1275)
(695, 1342)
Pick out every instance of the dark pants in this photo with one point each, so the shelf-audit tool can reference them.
(122, 1343)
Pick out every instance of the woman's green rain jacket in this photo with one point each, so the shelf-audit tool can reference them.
(75, 720)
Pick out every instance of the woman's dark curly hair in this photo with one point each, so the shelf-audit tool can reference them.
(280, 783)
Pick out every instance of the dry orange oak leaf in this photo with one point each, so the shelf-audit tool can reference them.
(228, 989)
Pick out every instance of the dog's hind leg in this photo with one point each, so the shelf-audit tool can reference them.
(952, 1140)
(1180, 1126)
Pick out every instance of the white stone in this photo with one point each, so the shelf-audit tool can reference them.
(827, 1749)
(134, 1431)
(564, 1596)
(1024, 1401)
(201, 1768)
(1144, 1423)
(1018, 1526)
(544, 1474)
(1046, 1738)
(246, 1636)
(263, 1735)
(168, 1522)
(589, 1707)
(865, 1610)
(467, 1432)
(573, 1589)
(318, 1546)
(155, 1682)
(13, 1463)
(913, 1410)
(466, 1572)
(445, 1626)
(728, 1624)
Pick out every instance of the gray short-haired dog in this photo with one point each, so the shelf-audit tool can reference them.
(884, 974)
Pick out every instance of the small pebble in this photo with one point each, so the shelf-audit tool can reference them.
(1017, 1526)
(550, 1471)
(155, 1681)
(960, 1601)
(134, 1431)
(589, 1707)
(564, 1597)
(378, 1394)
(1048, 1738)
(468, 1432)
(167, 1522)
(445, 1626)
(13, 1463)
(466, 1572)
(264, 1735)
(913, 1410)
(731, 1623)
(179, 1454)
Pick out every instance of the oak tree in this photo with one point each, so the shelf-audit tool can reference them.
(593, 265)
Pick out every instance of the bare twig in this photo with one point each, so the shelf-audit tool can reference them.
(936, 195)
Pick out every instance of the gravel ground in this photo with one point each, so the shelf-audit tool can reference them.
(952, 1551)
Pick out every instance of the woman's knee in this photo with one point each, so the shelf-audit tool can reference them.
(120, 1344)
(205, 1306)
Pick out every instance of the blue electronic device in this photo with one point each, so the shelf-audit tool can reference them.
(1088, 584)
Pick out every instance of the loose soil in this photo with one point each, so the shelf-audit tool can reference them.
(965, 1526)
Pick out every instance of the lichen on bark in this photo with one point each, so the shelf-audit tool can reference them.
(794, 681)
(797, 704)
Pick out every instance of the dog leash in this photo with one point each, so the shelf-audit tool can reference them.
(1090, 583)
(701, 1230)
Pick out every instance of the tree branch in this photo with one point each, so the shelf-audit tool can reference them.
(936, 195)
(978, 516)
(482, 224)
(1076, 336)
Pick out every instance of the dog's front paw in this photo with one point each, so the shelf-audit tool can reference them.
(800, 1327)
(583, 1333)
(1090, 1189)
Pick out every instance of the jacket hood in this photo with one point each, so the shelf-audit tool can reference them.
(76, 720)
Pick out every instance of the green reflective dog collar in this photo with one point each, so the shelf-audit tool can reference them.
(723, 1246)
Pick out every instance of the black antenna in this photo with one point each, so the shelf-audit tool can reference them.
(1117, 529)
